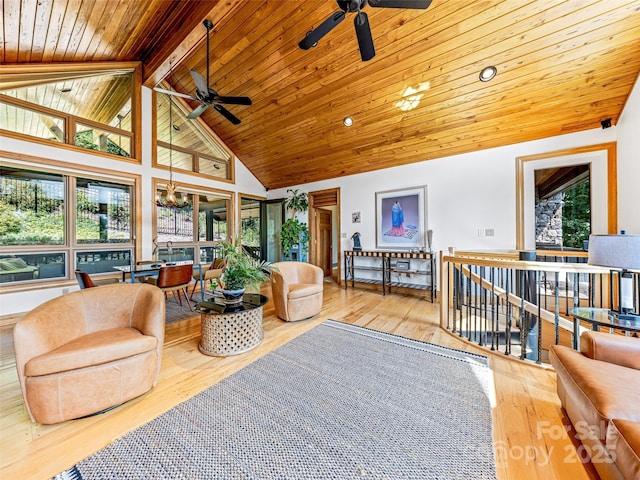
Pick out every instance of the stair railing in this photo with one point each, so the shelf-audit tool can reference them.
(521, 307)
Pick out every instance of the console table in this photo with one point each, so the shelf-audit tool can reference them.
(391, 269)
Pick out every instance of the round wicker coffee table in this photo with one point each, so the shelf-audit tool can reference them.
(231, 329)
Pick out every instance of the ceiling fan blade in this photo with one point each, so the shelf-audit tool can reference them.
(197, 112)
(232, 100)
(365, 40)
(227, 114)
(172, 92)
(201, 83)
(325, 27)
(414, 4)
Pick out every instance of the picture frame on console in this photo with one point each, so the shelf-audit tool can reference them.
(401, 218)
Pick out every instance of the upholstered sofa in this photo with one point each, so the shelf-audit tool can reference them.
(297, 289)
(599, 388)
(90, 350)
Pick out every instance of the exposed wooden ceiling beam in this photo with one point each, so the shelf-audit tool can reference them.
(173, 47)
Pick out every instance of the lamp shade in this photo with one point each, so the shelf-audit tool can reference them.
(615, 251)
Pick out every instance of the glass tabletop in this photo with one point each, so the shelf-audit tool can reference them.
(150, 267)
(216, 305)
(605, 318)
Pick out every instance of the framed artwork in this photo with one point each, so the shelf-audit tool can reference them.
(355, 217)
(401, 218)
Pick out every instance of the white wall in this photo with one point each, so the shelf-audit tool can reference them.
(245, 182)
(466, 193)
(629, 163)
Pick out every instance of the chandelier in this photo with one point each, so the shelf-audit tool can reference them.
(171, 199)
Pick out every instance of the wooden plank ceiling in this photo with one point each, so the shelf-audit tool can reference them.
(563, 66)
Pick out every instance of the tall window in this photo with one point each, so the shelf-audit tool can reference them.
(250, 226)
(38, 208)
(191, 233)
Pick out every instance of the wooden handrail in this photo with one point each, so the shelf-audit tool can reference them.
(517, 301)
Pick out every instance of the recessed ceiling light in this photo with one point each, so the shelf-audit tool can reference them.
(176, 127)
(65, 89)
(347, 121)
(488, 73)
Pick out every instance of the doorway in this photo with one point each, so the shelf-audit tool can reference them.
(250, 226)
(272, 214)
(563, 207)
(602, 188)
(324, 231)
(260, 222)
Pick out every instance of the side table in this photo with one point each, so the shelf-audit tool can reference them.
(231, 329)
(600, 317)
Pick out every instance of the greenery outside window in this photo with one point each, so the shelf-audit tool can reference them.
(192, 232)
(103, 212)
(102, 140)
(250, 227)
(32, 208)
(38, 207)
(174, 224)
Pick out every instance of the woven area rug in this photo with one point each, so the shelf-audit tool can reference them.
(338, 402)
(176, 312)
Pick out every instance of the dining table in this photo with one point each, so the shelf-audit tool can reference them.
(152, 269)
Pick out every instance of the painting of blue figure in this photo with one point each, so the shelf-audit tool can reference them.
(401, 218)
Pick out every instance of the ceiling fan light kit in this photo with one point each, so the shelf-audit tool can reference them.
(361, 22)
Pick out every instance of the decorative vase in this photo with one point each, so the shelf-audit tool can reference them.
(232, 297)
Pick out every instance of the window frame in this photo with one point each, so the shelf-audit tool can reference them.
(70, 247)
(204, 130)
(195, 191)
(52, 71)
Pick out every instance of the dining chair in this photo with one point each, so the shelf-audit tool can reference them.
(175, 279)
(84, 280)
(214, 271)
(145, 279)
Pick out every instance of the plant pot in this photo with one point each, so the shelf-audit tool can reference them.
(232, 297)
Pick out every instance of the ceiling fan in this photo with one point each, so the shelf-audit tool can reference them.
(361, 22)
(206, 95)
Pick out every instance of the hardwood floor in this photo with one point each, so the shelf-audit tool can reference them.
(529, 441)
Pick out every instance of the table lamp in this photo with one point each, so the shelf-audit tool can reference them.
(618, 252)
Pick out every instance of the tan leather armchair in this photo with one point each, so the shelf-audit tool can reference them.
(297, 290)
(90, 350)
(599, 389)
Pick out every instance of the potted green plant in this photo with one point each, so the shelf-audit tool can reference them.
(240, 271)
(294, 232)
